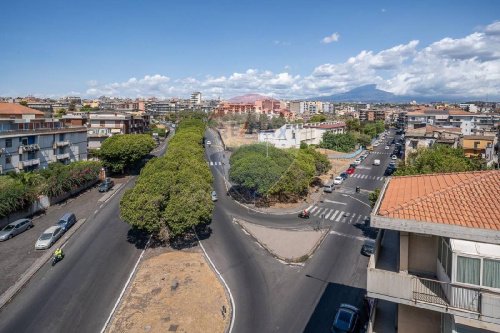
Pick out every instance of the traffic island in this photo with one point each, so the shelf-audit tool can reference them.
(290, 246)
(173, 291)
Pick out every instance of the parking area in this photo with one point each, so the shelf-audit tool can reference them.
(18, 253)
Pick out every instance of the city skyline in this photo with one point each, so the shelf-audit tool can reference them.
(225, 49)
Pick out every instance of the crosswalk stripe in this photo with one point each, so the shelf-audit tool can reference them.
(334, 214)
(328, 215)
(339, 217)
(352, 217)
(211, 163)
(314, 208)
(317, 212)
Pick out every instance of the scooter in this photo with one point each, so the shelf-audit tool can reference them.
(304, 215)
(56, 259)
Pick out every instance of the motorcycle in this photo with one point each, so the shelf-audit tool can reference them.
(304, 214)
(56, 259)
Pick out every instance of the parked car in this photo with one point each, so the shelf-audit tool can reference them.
(389, 171)
(67, 221)
(15, 228)
(338, 180)
(376, 162)
(345, 319)
(350, 171)
(392, 164)
(106, 185)
(357, 161)
(344, 175)
(375, 144)
(394, 157)
(214, 196)
(208, 142)
(352, 165)
(49, 237)
(329, 188)
(387, 147)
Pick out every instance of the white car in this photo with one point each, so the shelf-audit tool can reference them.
(376, 162)
(49, 237)
(394, 157)
(338, 180)
(375, 144)
(357, 161)
(214, 196)
(387, 147)
(208, 142)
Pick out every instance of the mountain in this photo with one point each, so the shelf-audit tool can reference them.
(248, 98)
(370, 94)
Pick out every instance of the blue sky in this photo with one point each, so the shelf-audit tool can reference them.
(224, 48)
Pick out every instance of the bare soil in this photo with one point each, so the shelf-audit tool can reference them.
(234, 135)
(173, 291)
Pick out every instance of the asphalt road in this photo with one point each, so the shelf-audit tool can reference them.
(78, 294)
(273, 297)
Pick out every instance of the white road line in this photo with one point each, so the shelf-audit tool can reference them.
(328, 215)
(309, 207)
(339, 217)
(352, 218)
(336, 202)
(318, 211)
(334, 214)
(211, 163)
(314, 208)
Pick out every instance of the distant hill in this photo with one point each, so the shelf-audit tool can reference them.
(248, 98)
(370, 94)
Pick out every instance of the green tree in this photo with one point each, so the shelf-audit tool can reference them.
(122, 152)
(379, 126)
(353, 125)
(24, 103)
(339, 142)
(277, 122)
(438, 159)
(373, 196)
(263, 122)
(364, 140)
(251, 123)
(318, 118)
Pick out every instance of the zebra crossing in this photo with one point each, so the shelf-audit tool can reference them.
(380, 153)
(214, 163)
(360, 176)
(337, 215)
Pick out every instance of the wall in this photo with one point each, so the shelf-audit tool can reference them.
(422, 254)
(417, 320)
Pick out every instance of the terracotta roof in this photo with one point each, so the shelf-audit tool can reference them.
(12, 108)
(467, 199)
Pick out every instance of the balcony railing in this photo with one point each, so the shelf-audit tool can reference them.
(24, 164)
(62, 156)
(31, 147)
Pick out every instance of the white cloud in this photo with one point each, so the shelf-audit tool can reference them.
(467, 66)
(330, 39)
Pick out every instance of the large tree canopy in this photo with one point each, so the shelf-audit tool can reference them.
(120, 152)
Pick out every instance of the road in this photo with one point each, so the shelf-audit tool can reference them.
(273, 297)
(80, 291)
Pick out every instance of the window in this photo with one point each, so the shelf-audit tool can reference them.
(61, 136)
(8, 159)
(444, 255)
(8, 143)
(468, 270)
(491, 273)
(24, 141)
(31, 155)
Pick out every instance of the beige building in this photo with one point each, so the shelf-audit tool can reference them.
(436, 266)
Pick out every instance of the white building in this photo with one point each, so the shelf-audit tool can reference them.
(292, 135)
(196, 98)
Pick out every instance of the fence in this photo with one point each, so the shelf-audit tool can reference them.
(346, 156)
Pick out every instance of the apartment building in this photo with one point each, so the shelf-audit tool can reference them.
(292, 135)
(426, 137)
(374, 115)
(480, 146)
(29, 141)
(436, 266)
(196, 98)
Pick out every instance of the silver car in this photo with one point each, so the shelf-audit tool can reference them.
(15, 228)
(49, 237)
(214, 196)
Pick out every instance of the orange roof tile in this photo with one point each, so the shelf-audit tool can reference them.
(467, 199)
(12, 108)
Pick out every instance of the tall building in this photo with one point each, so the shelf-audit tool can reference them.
(29, 141)
(196, 98)
(436, 266)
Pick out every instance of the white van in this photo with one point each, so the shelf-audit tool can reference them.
(376, 162)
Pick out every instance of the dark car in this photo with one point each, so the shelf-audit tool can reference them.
(344, 175)
(352, 165)
(368, 247)
(389, 171)
(67, 221)
(106, 185)
(345, 319)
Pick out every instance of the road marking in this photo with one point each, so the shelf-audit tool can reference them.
(334, 214)
(328, 215)
(314, 208)
(309, 207)
(336, 202)
(340, 216)
(211, 163)
(352, 218)
(333, 232)
(318, 211)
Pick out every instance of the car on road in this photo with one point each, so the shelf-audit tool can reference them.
(375, 144)
(49, 237)
(394, 157)
(214, 196)
(350, 171)
(329, 188)
(387, 147)
(106, 185)
(392, 164)
(15, 228)
(376, 162)
(389, 171)
(344, 175)
(208, 142)
(346, 318)
(67, 221)
(357, 161)
(338, 180)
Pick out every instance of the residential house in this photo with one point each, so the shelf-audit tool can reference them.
(425, 137)
(481, 146)
(436, 266)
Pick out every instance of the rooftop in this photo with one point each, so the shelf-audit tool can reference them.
(470, 200)
(18, 109)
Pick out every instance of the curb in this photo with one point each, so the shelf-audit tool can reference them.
(288, 261)
(9, 294)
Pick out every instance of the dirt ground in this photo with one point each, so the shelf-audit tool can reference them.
(234, 136)
(173, 291)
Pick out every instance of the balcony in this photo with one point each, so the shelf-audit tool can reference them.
(2, 151)
(26, 148)
(28, 163)
(385, 282)
(64, 156)
(59, 144)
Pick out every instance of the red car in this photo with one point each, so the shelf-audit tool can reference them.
(350, 171)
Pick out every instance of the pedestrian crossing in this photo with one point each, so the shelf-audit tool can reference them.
(380, 153)
(361, 176)
(336, 215)
(214, 163)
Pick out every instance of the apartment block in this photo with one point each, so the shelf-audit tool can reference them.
(436, 266)
(29, 141)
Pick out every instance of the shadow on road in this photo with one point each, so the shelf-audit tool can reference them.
(138, 237)
(367, 230)
(335, 294)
